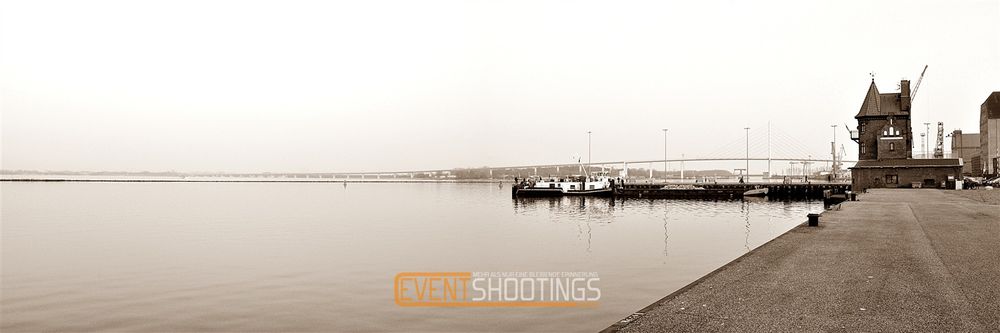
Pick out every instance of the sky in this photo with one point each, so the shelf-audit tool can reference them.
(299, 86)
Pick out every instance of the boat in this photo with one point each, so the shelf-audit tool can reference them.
(756, 192)
(597, 185)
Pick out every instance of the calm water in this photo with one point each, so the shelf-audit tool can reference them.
(322, 257)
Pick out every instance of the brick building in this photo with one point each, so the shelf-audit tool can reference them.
(966, 147)
(989, 134)
(885, 141)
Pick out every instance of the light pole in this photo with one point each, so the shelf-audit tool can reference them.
(927, 130)
(748, 154)
(808, 165)
(833, 151)
(589, 160)
(664, 154)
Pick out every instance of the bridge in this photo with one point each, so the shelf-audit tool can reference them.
(772, 145)
(607, 165)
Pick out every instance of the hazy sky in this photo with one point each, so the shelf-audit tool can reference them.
(398, 85)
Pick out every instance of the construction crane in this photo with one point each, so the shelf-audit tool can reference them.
(939, 148)
(916, 87)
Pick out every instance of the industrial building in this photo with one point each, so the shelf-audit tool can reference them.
(966, 147)
(989, 134)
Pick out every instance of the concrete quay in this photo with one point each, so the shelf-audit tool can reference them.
(896, 260)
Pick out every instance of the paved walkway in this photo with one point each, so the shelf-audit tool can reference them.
(897, 260)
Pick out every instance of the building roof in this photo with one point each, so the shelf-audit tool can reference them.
(877, 104)
(870, 105)
(909, 163)
(992, 105)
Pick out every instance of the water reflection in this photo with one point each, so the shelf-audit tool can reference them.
(584, 213)
(588, 209)
(582, 210)
(745, 208)
(666, 235)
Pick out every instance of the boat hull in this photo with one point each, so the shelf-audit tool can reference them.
(760, 192)
(550, 192)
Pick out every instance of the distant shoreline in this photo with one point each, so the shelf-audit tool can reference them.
(331, 181)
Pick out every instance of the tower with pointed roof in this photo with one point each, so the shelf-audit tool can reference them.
(884, 131)
(885, 141)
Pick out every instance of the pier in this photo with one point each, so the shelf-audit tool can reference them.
(896, 260)
(732, 191)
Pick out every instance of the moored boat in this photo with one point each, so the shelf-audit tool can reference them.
(598, 185)
(756, 192)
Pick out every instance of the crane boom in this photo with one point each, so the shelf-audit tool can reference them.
(916, 87)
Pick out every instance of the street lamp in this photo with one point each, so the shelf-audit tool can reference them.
(664, 154)
(927, 130)
(748, 154)
(833, 151)
(589, 160)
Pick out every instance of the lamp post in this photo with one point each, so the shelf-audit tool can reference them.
(833, 151)
(589, 160)
(748, 154)
(927, 130)
(664, 154)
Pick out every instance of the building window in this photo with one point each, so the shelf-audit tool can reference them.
(892, 146)
(891, 179)
(862, 148)
(861, 129)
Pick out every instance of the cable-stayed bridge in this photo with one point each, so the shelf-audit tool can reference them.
(773, 146)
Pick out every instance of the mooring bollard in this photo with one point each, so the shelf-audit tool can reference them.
(813, 219)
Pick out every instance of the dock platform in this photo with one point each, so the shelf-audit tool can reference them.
(732, 191)
(896, 260)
